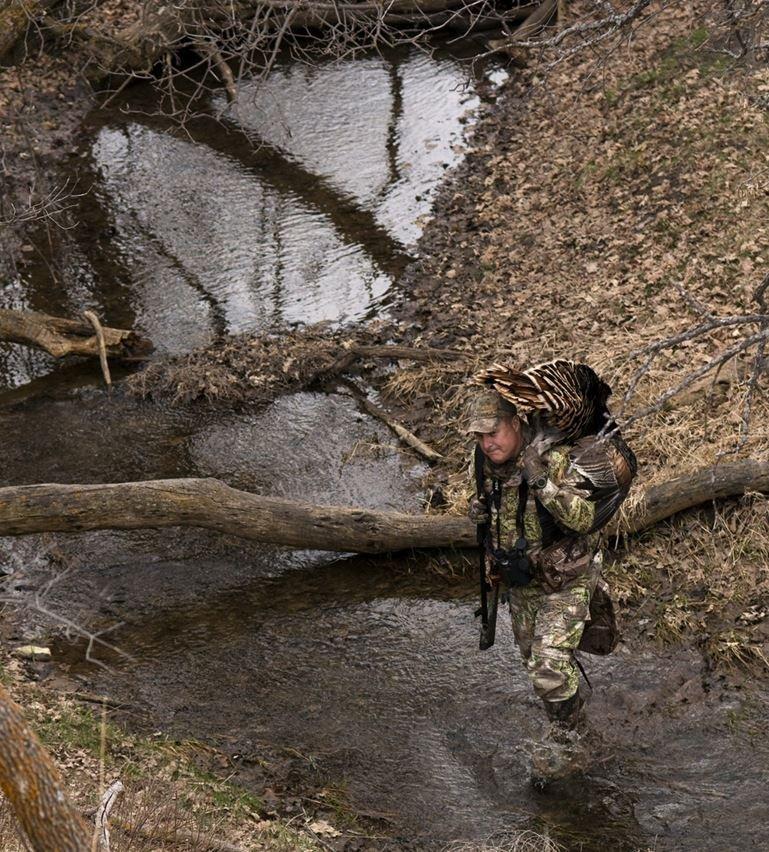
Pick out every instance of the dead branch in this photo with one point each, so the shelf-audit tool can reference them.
(212, 52)
(99, 329)
(101, 834)
(712, 483)
(408, 437)
(544, 14)
(60, 337)
(212, 504)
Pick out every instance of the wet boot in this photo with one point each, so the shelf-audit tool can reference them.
(562, 752)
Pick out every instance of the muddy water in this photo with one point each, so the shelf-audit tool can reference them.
(375, 677)
(368, 669)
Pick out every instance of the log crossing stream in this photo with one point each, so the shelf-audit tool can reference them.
(368, 670)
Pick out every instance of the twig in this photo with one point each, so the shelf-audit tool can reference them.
(401, 431)
(101, 830)
(97, 327)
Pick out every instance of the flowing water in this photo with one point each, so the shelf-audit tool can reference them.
(367, 668)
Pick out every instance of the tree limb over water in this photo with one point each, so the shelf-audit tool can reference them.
(213, 505)
(60, 337)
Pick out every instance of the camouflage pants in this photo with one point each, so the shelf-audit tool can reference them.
(548, 627)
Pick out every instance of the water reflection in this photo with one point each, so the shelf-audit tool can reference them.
(260, 256)
(382, 131)
(301, 205)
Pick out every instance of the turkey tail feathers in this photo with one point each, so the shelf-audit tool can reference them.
(571, 397)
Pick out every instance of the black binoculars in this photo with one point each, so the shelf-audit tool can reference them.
(514, 566)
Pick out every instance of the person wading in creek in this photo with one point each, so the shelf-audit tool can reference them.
(549, 470)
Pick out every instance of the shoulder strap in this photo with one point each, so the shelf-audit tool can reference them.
(479, 460)
(523, 496)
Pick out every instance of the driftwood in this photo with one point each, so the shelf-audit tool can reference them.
(213, 505)
(60, 337)
(101, 821)
(406, 435)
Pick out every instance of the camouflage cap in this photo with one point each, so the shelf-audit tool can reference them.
(485, 411)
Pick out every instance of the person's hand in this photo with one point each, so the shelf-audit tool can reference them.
(534, 466)
(478, 512)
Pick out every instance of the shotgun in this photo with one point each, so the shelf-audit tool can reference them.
(488, 609)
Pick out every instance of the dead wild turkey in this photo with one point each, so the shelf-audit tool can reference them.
(565, 402)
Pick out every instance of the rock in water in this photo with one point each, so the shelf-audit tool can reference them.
(37, 653)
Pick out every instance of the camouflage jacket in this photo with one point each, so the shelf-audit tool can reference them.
(585, 485)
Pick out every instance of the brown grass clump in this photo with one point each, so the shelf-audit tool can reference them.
(516, 841)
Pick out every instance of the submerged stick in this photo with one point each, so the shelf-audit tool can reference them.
(408, 437)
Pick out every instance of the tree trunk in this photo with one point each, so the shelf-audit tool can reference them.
(60, 337)
(691, 489)
(213, 505)
(34, 787)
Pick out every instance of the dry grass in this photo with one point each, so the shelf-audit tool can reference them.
(516, 841)
(647, 184)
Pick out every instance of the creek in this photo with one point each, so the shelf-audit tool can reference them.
(304, 207)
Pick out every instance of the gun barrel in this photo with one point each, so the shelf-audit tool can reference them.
(489, 628)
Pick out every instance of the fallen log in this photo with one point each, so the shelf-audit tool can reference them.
(211, 504)
(60, 337)
(712, 483)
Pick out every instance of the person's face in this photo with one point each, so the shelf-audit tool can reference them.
(504, 443)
